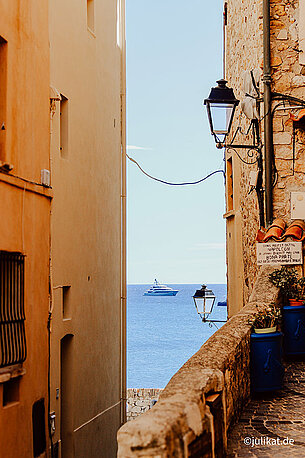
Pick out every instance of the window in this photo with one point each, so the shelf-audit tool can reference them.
(3, 82)
(11, 392)
(66, 302)
(90, 15)
(229, 184)
(64, 126)
(12, 330)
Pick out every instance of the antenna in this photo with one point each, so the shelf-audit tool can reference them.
(249, 105)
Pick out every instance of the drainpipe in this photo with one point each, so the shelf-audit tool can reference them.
(268, 133)
(123, 214)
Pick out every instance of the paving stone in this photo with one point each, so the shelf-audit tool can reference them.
(278, 416)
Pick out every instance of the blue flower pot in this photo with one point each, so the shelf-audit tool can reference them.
(266, 370)
(294, 330)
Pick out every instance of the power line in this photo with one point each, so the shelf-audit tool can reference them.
(174, 184)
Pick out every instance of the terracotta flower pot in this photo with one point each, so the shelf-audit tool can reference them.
(295, 302)
(265, 330)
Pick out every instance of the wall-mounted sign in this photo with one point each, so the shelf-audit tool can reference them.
(279, 253)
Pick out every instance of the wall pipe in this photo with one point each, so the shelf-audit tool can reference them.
(268, 131)
(123, 214)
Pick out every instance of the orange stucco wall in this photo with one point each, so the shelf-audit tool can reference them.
(86, 228)
(25, 207)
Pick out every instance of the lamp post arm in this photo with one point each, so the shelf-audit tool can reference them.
(214, 321)
(256, 138)
(256, 147)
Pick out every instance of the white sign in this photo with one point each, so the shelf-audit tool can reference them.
(279, 253)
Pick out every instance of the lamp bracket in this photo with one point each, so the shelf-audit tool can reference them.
(213, 321)
(256, 143)
(249, 147)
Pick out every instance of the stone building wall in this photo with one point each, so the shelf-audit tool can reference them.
(287, 77)
(139, 400)
(244, 52)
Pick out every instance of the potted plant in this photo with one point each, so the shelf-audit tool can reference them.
(293, 291)
(266, 320)
(266, 370)
(292, 288)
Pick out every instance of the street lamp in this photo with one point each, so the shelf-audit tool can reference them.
(221, 105)
(204, 300)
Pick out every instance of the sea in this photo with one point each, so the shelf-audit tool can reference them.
(163, 332)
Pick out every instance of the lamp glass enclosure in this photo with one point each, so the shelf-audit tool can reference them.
(221, 115)
(221, 105)
(204, 300)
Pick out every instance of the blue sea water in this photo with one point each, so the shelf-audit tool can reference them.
(164, 332)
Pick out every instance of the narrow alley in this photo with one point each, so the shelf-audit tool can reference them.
(273, 419)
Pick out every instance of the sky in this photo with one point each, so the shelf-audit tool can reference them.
(174, 56)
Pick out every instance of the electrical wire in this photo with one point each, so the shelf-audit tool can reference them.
(275, 171)
(293, 148)
(174, 184)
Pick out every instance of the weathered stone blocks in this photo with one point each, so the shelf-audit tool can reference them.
(139, 400)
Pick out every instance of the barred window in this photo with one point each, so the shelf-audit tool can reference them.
(12, 330)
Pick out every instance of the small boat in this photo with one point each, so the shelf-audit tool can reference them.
(160, 290)
(222, 304)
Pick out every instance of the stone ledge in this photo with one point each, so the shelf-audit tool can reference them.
(10, 372)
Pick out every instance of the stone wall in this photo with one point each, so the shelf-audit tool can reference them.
(244, 52)
(139, 400)
(287, 78)
(195, 409)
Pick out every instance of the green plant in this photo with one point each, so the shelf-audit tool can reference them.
(267, 318)
(301, 286)
(287, 280)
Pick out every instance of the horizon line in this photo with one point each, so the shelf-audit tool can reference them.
(196, 283)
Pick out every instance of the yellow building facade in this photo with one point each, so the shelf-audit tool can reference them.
(88, 282)
(24, 228)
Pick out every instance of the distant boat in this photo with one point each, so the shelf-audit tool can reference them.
(222, 304)
(160, 290)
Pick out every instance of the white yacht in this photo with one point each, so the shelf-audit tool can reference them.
(160, 290)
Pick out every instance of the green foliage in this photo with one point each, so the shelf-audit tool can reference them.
(301, 286)
(267, 318)
(287, 280)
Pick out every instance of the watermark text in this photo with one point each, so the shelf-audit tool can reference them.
(266, 441)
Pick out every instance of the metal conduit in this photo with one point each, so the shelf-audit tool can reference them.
(268, 131)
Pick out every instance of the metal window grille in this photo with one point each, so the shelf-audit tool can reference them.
(12, 329)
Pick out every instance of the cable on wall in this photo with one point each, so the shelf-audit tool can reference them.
(174, 184)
